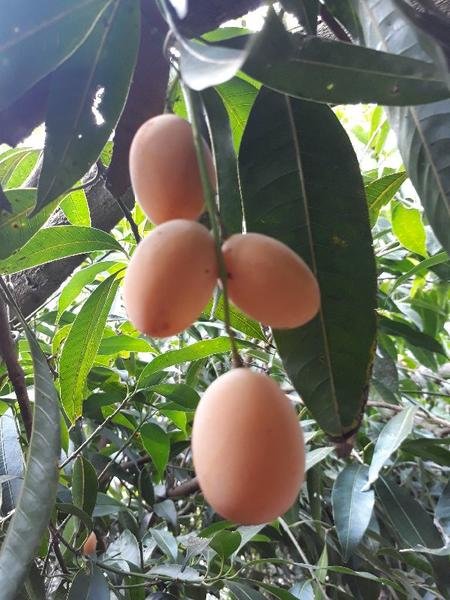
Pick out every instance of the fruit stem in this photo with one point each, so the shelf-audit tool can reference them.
(193, 104)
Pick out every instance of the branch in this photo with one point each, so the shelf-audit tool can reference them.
(426, 415)
(15, 372)
(184, 489)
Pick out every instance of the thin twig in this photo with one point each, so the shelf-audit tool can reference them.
(15, 372)
(88, 440)
(398, 408)
(193, 106)
(184, 489)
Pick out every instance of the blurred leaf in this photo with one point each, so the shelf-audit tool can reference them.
(422, 131)
(429, 449)
(442, 513)
(238, 96)
(408, 228)
(71, 509)
(295, 190)
(303, 590)
(89, 586)
(35, 45)
(177, 572)
(381, 191)
(166, 542)
(225, 543)
(229, 195)
(180, 395)
(390, 439)
(346, 14)
(76, 208)
(247, 533)
(123, 343)
(81, 346)
(330, 71)
(84, 485)
(157, 445)
(80, 279)
(277, 592)
(37, 497)
(167, 511)
(352, 507)
(421, 268)
(54, 243)
(413, 525)
(410, 334)
(242, 591)
(87, 95)
(124, 548)
(314, 457)
(181, 7)
(106, 506)
(204, 349)
(238, 320)
(16, 227)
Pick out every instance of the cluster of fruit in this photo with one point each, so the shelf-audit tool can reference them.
(247, 444)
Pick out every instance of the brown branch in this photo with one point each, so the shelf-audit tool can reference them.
(184, 489)
(15, 372)
(398, 408)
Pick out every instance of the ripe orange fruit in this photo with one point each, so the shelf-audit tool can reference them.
(90, 545)
(270, 282)
(248, 448)
(164, 170)
(170, 278)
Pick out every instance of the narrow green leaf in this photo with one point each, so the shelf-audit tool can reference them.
(381, 191)
(9, 161)
(54, 243)
(82, 344)
(36, 37)
(82, 278)
(422, 131)
(76, 208)
(352, 507)
(16, 227)
(87, 95)
(157, 444)
(422, 267)
(22, 169)
(204, 349)
(238, 96)
(38, 492)
(166, 542)
(442, 513)
(328, 71)
(408, 227)
(229, 194)
(84, 485)
(410, 334)
(123, 343)
(314, 457)
(390, 439)
(238, 320)
(89, 586)
(301, 184)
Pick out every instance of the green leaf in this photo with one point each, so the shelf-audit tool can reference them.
(123, 343)
(314, 457)
(76, 208)
(242, 591)
(157, 444)
(180, 395)
(225, 543)
(422, 132)
(81, 346)
(80, 279)
(166, 542)
(54, 243)
(229, 194)
(381, 191)
(22, 169)
(442, 513)
(84, 485)
(352, 507)
(413, 525)
(429, 449)
(87, 95)
(410, 334)
(71, 509)
(346, 14)
(177, 572)
(38, 494)
(9, 160)
(306, 11)
(330, 71)
(421, 268)
(301, 184)
(238, 320)
(36, 37)
(89, 586)
(238, 96)
(390, 439)
(106, 506)
(408, 228)
(16, 227)
(204, 349)
(303, 590)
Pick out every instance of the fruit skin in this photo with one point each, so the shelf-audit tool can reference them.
(170, 278)
(90, 545)
(248, 448)
(270, 282)
(164, 170)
